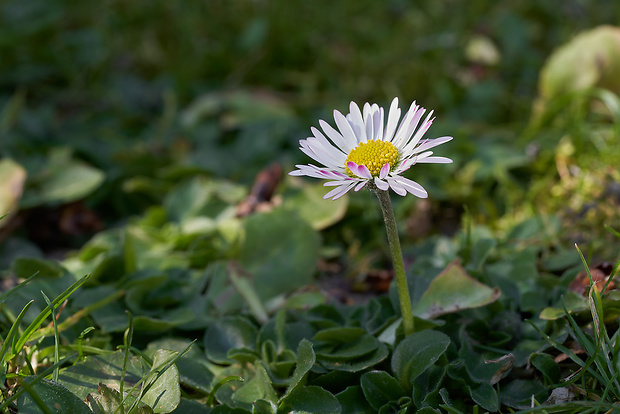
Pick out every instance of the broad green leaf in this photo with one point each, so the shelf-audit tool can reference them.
(591, 59)
(308, 202)
(54, 396)
(62, 180)
(191, 407)
(573, 303)
(225, 409)
(24, 267)
(164, 393)
(380, 388)
(357, 364)
(226, 334)
(84, 378)
(305, 360)
(485, 396)
(451, 291)
(547, 366)
(416, 353)
(339, 334)
(426, 386)
(257, 388)
(280, 251)
(108, 400)
(309, 400)
(353, 400)
(193, 366)
(12, 178)
(518, 394)
(264, 407)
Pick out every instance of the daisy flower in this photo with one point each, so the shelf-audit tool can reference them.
(365, 149)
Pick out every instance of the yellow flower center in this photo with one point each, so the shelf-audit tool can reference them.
(374, 154)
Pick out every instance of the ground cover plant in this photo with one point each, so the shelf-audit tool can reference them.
(157, 257)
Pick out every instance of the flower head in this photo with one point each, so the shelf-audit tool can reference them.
(364, 149)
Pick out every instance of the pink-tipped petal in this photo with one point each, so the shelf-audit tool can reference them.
(428, 144)
(364, 172)
(384, 171)
(359, 170)
(360, 185)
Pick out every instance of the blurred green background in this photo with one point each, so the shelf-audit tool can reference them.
(135, 96)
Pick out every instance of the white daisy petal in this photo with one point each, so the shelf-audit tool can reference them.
(360, 185)
(411, 187)
(345, 128)
(326, 156)
(435, 160)
(377, 124)
(357, 122)
(381, 185)
(392, 123)
(338, 192)
(370, 124)
(326, 143)
(379, 127)
(408, 125)
(336, 137)
(396, 186)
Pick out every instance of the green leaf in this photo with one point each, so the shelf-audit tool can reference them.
(164, 393)
(353, 400)
(225, 409)
(380, 388)
(257, 388)
(518, 394)
(53, 395)
(24, 267)
(573, 302)
(226, 334)
(305, 360)
(309, 400)
(357, 364)
(592, 58)
(451, 291)
(485, 396)
(191, 407)
(280, 251)
(84, 378)
(108, 400)
(311, 207)
(62, 180)
(264, 407)
(416, 353)
(547, 366)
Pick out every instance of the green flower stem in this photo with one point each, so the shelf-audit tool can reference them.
(397, 259)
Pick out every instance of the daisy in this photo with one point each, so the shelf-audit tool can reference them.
(366, 149)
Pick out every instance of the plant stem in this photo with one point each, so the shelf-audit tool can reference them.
(397, 259)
